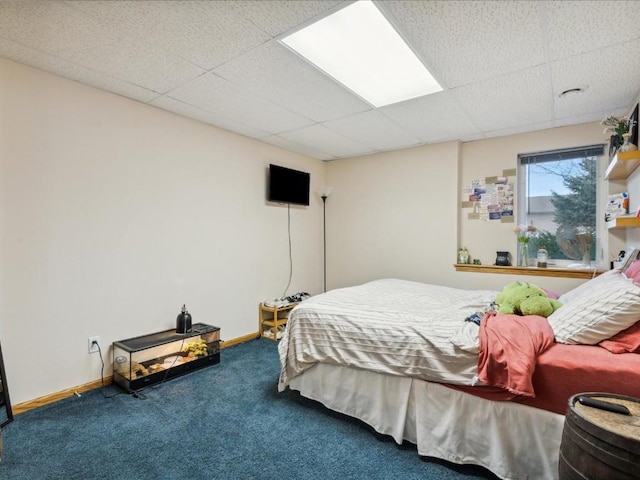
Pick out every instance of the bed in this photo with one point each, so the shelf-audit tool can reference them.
(401, 357)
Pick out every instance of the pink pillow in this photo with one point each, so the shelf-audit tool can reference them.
(551, 294)
(633, 271)
(627, 340)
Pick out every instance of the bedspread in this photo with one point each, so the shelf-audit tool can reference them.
(509, 349)
(388, 326)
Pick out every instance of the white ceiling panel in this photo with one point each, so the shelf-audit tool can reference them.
(275, 73)
(139, 63)
(601, 94)
(204, 36)
(465, 42)
(434, 118)
(79, 73)
(574, 29)
(277, 16)
(373, 130)
(321, 138)
(216, 94)
(512, 100)
(212, 118)
(502, 65)
(287, 144)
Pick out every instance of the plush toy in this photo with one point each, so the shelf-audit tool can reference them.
(524, 298)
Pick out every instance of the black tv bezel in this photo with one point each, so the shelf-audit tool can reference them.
(300, 176)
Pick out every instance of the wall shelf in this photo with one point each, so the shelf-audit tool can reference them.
(624, 222)
(622, 165)
(534, 271)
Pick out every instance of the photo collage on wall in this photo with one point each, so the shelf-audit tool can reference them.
(490, 198)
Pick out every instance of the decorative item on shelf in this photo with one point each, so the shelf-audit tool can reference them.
(542, 257)
(617, 127)
(502, 259)
(524, 234)
(627, 146)
(463, 255)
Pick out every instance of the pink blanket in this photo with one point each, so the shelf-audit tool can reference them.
(509, 347)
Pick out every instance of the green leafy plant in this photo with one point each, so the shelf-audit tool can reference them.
(616, 126)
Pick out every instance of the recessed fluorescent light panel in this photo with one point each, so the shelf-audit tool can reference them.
(359, 48)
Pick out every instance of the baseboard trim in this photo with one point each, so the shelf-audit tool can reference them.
(69, 392)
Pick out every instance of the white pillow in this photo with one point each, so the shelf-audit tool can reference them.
(599, 312)
(590, 286)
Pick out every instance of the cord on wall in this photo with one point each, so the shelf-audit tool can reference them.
(284, 294)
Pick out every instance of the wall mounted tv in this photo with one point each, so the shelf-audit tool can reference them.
(288, 186)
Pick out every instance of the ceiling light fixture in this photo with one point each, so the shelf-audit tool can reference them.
(360, 49)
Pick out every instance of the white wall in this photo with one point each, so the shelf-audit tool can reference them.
(391, 215)
(115, 213)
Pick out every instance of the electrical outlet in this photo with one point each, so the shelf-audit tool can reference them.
(93, 344)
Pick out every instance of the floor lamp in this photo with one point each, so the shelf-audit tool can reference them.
(324, 194)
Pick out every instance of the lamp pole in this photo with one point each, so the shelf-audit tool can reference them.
(324, 241)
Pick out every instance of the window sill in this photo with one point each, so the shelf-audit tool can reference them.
(534, 271)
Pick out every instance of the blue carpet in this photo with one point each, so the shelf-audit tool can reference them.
(223, 422)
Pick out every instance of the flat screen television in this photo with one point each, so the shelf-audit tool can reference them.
(288, 186)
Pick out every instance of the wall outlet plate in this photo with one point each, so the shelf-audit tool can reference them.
(93, 344)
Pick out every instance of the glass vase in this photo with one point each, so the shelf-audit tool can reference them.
(523, 255)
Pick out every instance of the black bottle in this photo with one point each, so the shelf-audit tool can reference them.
(183, 322)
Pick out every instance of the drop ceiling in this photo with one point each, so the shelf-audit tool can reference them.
(503, 66)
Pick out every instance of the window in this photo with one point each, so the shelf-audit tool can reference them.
(560, 193)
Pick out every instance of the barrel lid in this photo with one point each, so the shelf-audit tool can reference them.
(624, 425)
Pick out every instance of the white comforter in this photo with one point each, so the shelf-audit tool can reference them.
(389, 326)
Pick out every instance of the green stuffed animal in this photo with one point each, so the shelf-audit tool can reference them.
(524, 298)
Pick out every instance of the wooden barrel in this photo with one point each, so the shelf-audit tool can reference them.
(600, 445)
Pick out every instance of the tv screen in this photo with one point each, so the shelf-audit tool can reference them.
(288, 186)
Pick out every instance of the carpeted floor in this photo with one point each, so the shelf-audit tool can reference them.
(223, 422)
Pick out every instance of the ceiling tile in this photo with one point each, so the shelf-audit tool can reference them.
(206, 34)
(597, 25)
(140, 64)
(277, 16)
(50, 27)
(513, 100)
(87, 76)
(216, 94)
(281, 142)
(212, 118)
(464, 42)
(373, 130)
(274, 72)
(321, 138)
(601, 92)
(432, 118)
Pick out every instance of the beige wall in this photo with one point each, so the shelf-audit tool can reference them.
(397, 214)
(392, 215)
(115, 213)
